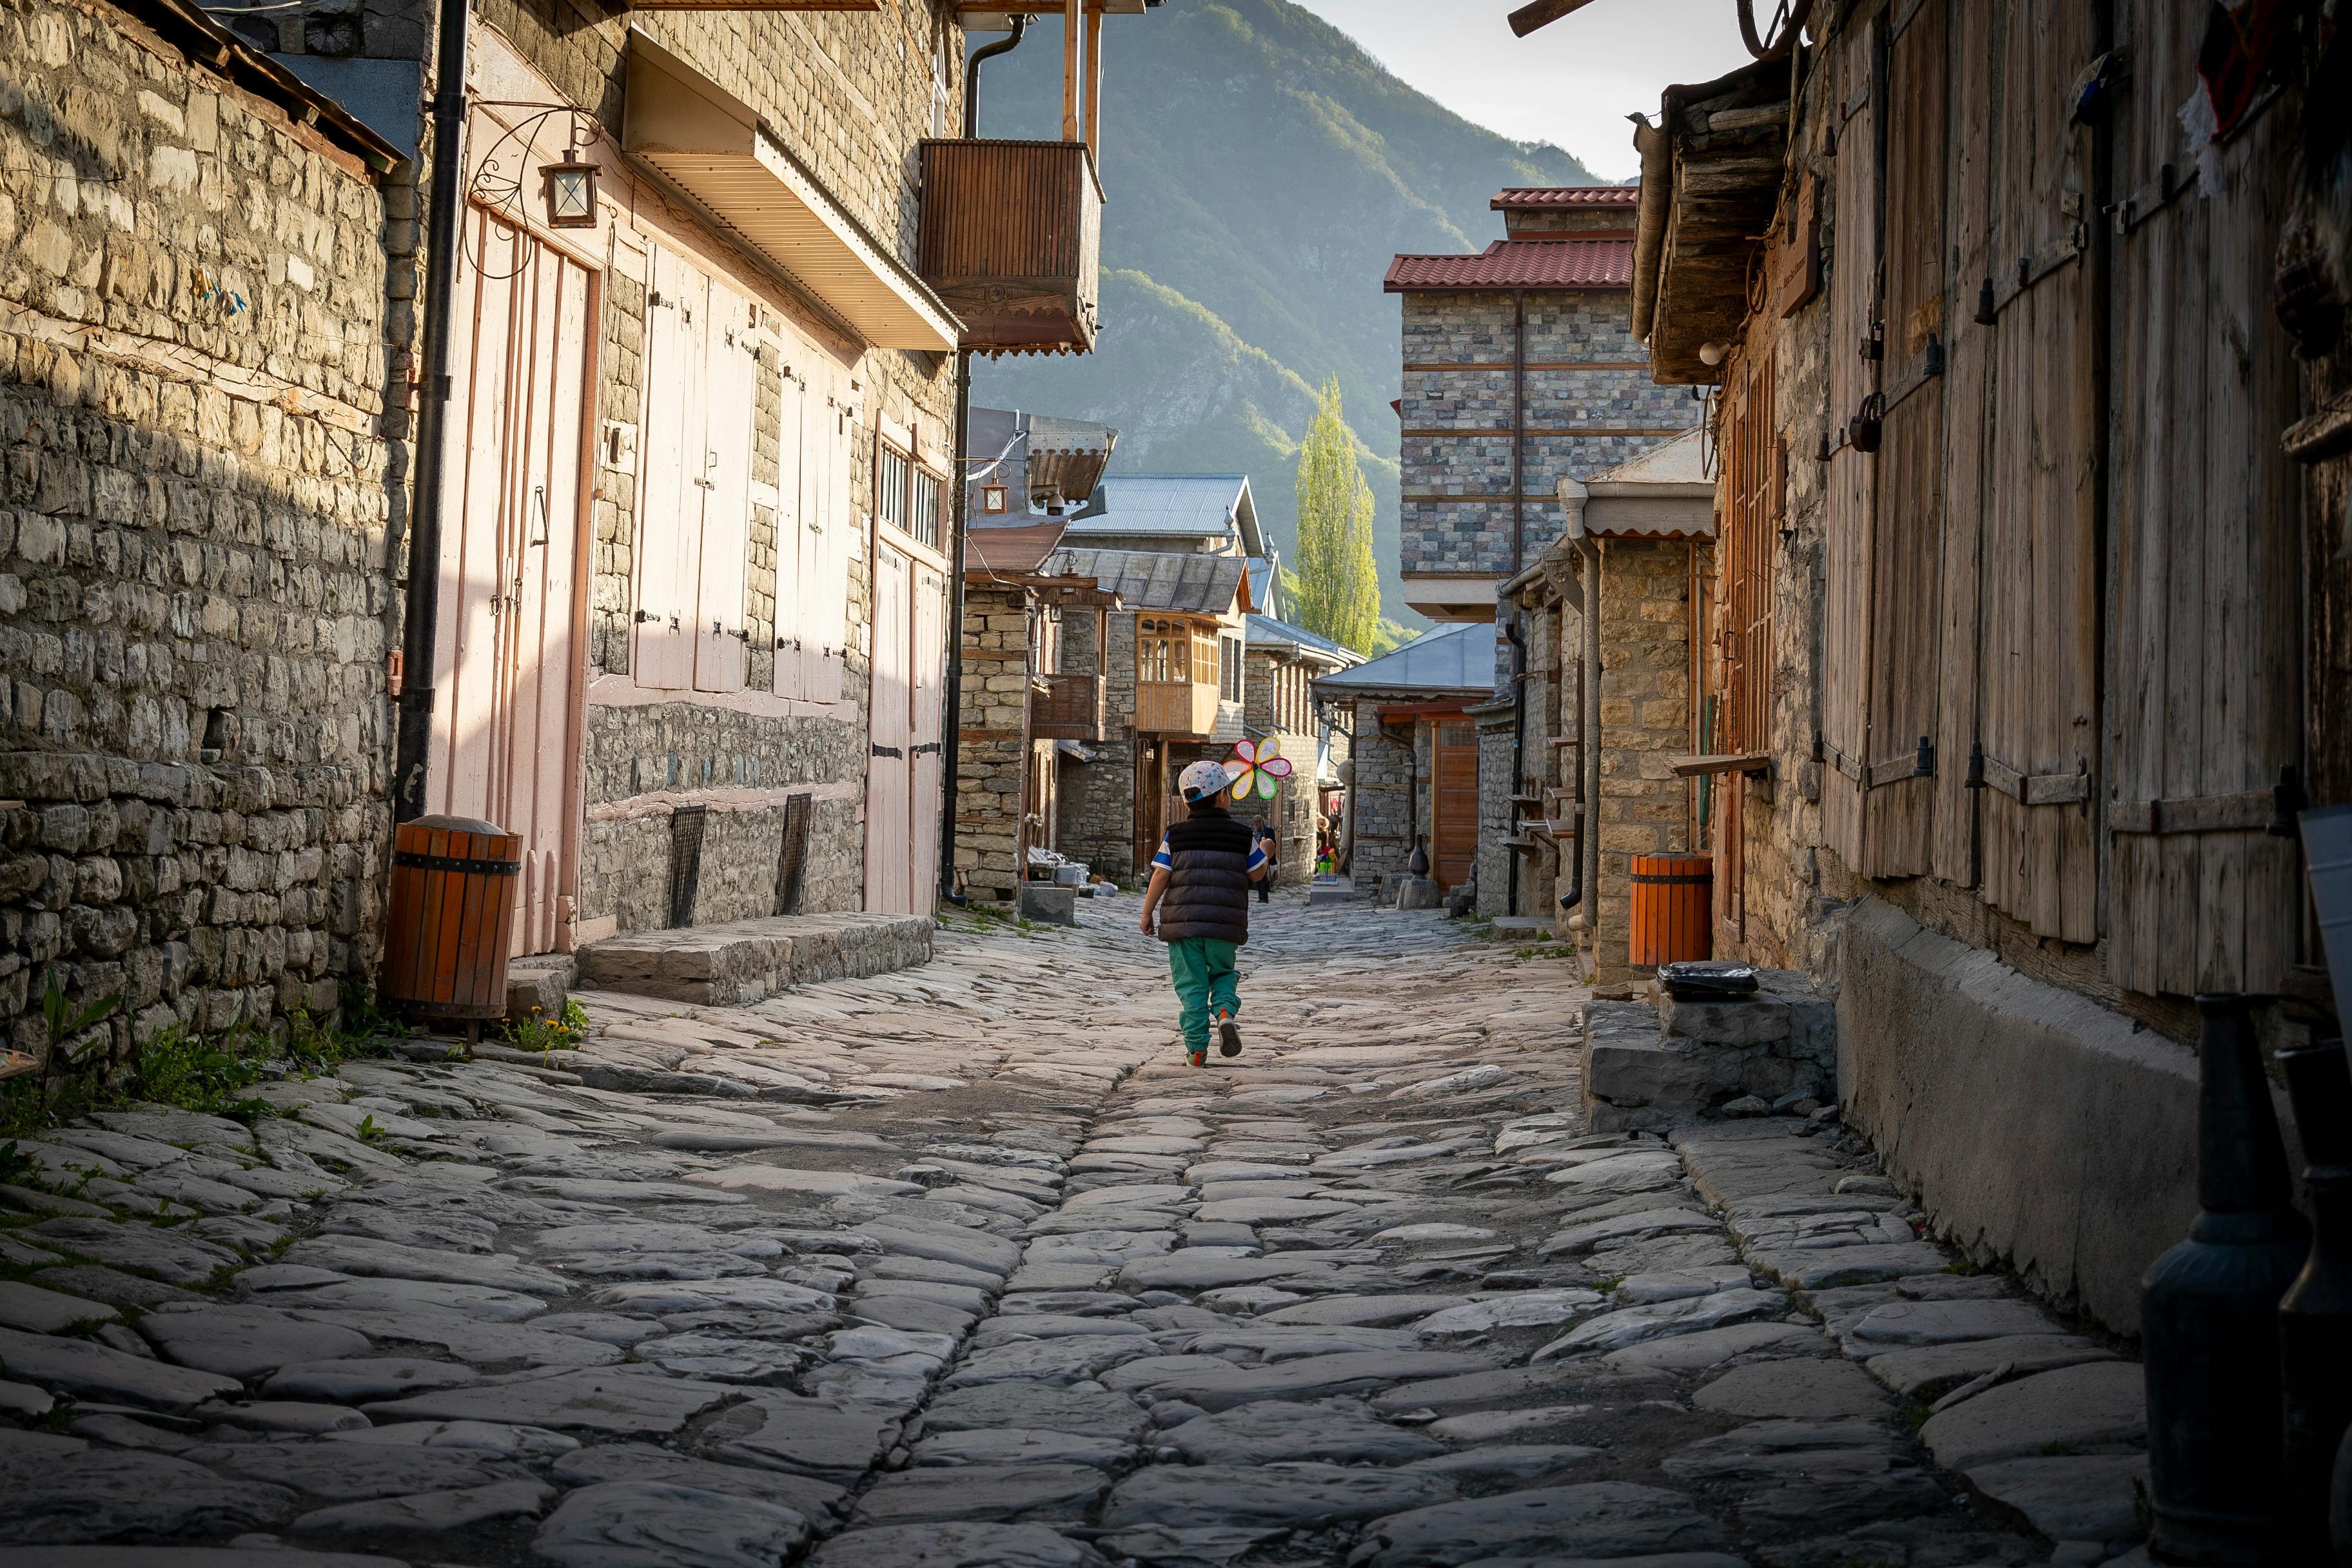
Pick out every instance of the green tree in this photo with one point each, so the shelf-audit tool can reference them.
(1336, 588)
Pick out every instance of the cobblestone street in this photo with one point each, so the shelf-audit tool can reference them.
(962, 1267)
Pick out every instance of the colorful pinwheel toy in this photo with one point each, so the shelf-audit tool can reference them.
(1259, 766)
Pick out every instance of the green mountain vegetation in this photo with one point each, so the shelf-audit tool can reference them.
(1261, 169)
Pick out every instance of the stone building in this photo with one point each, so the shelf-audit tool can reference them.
(1171, 664)
(697, 579)
(205, 477)
(2026, 598)
(1412, 770)
(1639, 545)
(1019, 708)
(1520, 369)
(1282, 662)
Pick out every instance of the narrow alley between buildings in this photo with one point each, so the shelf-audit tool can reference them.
(962, 1266)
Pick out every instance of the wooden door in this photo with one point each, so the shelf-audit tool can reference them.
(888, 884)
(506, 658)
(926, 662)
(1454, 803)
(1150, 802)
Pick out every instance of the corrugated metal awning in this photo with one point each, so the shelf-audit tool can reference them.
(713, 147)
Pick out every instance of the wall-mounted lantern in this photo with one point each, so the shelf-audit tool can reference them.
(570, 192)
(994, 498)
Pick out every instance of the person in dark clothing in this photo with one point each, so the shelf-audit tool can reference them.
(1200, 894)
(1271, 848)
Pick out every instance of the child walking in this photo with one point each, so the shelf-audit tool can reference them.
(1199, 890)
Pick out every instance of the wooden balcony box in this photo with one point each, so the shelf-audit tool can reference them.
(1011, 240)
(1180, 709)
(1070, 709)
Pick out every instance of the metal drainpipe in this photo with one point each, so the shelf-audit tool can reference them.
(1515, 630)
(413, 737)
(971, 72)
(952, 726)
(1587, 831)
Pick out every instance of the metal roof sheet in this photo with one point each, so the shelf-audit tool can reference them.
(1455, 658)
(1159, 580)
(1208, 506)
(1265, 630)
(1562, 263)
(1525, 198)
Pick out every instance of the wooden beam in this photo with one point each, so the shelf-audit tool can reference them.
(1741, 762)
(1073, 24)
(1542, 14)
(1094, 82)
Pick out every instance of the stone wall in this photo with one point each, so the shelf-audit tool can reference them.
(1579, 420)
(194, 605)
(1644, 719)
(1096, 824)
(1494, 818)
(994, 731)
(1383, 804)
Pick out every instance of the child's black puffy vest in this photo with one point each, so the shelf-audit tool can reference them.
(1208, 879)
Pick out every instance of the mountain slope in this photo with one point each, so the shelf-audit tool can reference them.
(1261, 169)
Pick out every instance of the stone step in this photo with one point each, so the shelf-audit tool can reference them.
(744, 961)
(542, 980)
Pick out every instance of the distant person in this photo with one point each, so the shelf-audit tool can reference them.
(1203, 876)
(1271, 847)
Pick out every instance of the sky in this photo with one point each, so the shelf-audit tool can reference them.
(1571, 83)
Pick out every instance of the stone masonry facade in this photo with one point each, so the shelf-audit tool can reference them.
(1455, 450)
(202, 469)
(1097, 798)
(1644, 696)
(994, 729)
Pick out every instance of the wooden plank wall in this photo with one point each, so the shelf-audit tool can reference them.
(2039, 668)
(1850, 490)
(1908, 557)
(2205, 695)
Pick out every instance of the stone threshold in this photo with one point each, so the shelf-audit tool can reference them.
(744, 962)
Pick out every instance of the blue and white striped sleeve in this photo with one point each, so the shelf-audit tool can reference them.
(1257, 853)
(1162, 861)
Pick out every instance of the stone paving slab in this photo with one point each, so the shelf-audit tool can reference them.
(744, 962)
(961, 1265)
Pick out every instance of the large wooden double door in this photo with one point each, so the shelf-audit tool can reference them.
(1454, 803)
(906, 712)
(506, 659)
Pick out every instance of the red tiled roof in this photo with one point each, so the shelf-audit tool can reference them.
(1565, 263)
(1522, 198)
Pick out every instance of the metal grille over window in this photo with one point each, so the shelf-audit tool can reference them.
(923, 507)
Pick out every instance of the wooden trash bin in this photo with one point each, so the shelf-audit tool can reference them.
(1672, 918)
(452, 920)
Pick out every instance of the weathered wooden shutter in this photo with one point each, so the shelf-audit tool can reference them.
(792, 531)
(1850, 485)
(669, 528)
(1907, 520)
(827, 517)
(2037, 650)
(2203, 696)
(730, 367)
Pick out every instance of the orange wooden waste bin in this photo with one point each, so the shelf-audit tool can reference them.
(452, 918)
(1672, 918)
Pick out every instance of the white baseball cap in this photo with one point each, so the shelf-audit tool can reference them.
(1203, 779)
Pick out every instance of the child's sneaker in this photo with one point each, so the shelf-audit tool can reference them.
(1229, 1038)
(1197, 1058)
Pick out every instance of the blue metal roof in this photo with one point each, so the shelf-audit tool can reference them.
(1450, 660)
(1204, 506)
(1267, 630)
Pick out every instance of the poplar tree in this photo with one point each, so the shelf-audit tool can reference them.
(1336, 591)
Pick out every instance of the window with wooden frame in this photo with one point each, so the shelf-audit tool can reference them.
(1163, 651)
(1229, 669)
(907, 495)
(1753, 458)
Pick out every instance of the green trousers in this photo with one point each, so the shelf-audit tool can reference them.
(1202, 969)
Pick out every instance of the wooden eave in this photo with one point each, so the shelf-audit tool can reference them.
(1728, 156)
